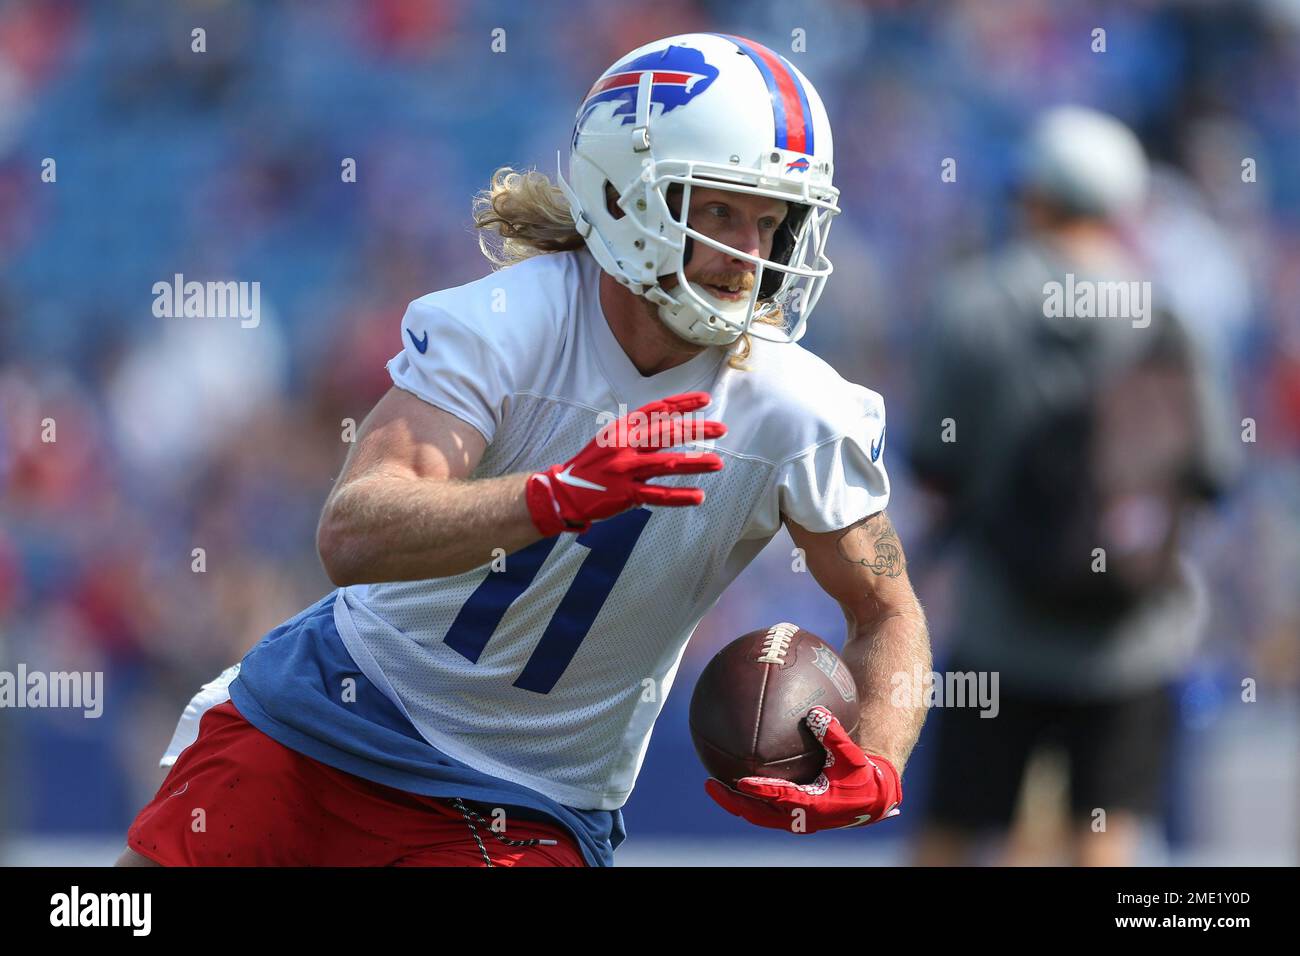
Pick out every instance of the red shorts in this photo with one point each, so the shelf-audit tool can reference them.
(235, 797)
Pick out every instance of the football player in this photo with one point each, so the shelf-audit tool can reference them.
(518, 553)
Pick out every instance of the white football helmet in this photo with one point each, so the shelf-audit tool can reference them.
(707, 110)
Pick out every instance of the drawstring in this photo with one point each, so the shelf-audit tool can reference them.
(471, 818)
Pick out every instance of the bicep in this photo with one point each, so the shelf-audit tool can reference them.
(405, 436)
(862, 566)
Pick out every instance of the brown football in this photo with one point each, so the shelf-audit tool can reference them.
(748, 707)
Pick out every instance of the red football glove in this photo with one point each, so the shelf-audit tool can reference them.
(609, 475)
(854, 789)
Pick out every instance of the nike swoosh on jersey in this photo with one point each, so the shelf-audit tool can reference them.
(876, 446)
(422, 344)
(571, 479)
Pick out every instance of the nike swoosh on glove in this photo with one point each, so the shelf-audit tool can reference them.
(609, 475)
(854, 789)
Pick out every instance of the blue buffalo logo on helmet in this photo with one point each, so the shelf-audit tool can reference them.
(800, 165)
(679, 75)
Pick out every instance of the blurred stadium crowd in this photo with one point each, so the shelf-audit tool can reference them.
(181, 434)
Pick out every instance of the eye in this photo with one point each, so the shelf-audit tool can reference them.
(718, 209)
(768, 222)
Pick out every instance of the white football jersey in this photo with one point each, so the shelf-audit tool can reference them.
(551, 670)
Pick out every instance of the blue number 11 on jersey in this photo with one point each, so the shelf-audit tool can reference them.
(609, 543)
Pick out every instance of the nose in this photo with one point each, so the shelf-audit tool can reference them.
(746, 239)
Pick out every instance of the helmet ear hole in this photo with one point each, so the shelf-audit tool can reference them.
(611, 201)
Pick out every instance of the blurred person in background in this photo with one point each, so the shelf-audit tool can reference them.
(1067, 441)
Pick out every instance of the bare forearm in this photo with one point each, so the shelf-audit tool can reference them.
(385, 528)
(897, 643)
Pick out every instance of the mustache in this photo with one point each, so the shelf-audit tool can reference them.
(744, 281)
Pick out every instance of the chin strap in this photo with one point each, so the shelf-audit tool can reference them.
(687, 320)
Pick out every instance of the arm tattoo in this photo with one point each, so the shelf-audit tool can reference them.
(873, 544)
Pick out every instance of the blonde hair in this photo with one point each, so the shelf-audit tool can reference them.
(738, 358)
(523, 214)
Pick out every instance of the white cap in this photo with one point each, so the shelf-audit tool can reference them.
(1087, 161)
